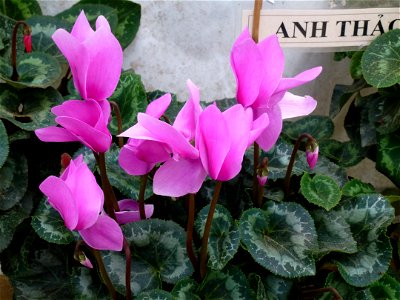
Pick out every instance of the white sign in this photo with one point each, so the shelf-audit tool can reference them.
(325, 28)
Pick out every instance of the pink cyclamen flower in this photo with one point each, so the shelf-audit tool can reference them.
(85, 121)
(260, 84)
(79, 200)
(312, 150)
(129, 211)
(95, 57)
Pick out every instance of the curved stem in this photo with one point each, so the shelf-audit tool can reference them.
(189, 232)
(207, 230)
(292, 159)
(143, 182)
(256, 19)
(127, 250)
(104, 274)
(110, 201)
(14, 75)
(117, 112)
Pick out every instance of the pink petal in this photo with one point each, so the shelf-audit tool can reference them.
(258, 127)
(61, 199)
(178, 178)
(95, 139)
(131, 164)
(270, 135)
(105, 234)
(77, 56)
(165, 133)
(102, 22)
(294, 106)
(88, 195)
(106, 109)
(86, 111)
(247, 64)
(188, 116)
(273, 66)
(213, 140)
(300, 79)
(129, 211)
(82, 29)
(158, 107)
(55, 134)
(105, 56)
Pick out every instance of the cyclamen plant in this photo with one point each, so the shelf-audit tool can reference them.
(268, 212)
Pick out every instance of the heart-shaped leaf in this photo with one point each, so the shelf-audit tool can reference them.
(49, 225)
(281, 238)
(186, 289)
(29, 109)
(227, 284)
(334, 233)
(15, 182)
(320, 190)
(355, 187)
(387, 158)
(4, 147)
(128, 18)
(320, 127)
(130, 95)
(224, 238)
(158, 254)
(368, 216)
(381, 60)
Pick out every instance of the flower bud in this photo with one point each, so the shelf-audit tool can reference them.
(262, 172)
(28, 42)
(80, 256)
(312, 153)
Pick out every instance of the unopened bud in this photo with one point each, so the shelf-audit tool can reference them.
(28, 43)
(312, 153)
(262, 172)
(82, 258)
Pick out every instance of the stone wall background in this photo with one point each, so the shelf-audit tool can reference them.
(178, 40)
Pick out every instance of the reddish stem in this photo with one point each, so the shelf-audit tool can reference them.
(189, 232)
(27, 30)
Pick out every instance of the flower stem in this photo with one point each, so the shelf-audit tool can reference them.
(27, 29)
(292, 159)
(127, 250)
(256, 160)
(143, 182)
(189, 232)
(104, 274)
(256, 20)
(117, 112)
(110, 201)
(207, 230)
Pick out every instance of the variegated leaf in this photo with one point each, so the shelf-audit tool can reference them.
(320, 127)
(4, 147)
(155, 295)
(281, 238)
(186, 289)
(387, 158)
(224, 238)
(9, 221)
(355, 187)
(85, 287)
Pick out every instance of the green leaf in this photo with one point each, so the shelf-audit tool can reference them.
(224, 104)
(272, 287)
(186, 289)
(320, 190)
(128, 185)
(35, 69)
(158, 254)
(45, 279)
(381, 60)
(85, 287)
(130, 95)
(155, 295)
(319, 127)
(355, 65)
(43, 28)
(224, 238)
(9, 221)
(368, 216)
(387, 157)
(227, 284)
(345, 154)
(128, 19)
(386, 285)
(29, 109)
(4, 147)
(342, 94)
(92, 12)
(49, 225)
(20, 10)
(345, 290)
(280, 238)
(257, 284)
(334, 233)
(355, 187)
(15, 182)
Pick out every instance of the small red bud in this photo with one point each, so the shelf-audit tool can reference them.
(65, 160)
(28, 43)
